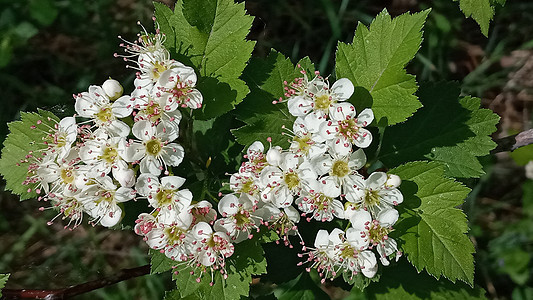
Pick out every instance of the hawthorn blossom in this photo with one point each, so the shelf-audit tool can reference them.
(153, 152)
(306, 140)
(316, 96)
(61, 138)
(96, 105)
(177, 86)
(378, 192)
(101, 200)
(321, 207)
(344, 129)
(239, 218)
(210, 248)
(165, 195)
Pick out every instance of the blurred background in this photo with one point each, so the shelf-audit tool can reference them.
(50, 49)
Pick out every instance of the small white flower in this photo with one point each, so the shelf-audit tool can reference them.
(165, 195)
(239, 218)
(154, 152)
(62, 137)
(177, 86)
(321, 207)
(345, 129)
(210, 248)
(102, 156)
(377, 193)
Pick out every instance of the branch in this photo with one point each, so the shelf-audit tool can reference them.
(513, 142)
(66, 293)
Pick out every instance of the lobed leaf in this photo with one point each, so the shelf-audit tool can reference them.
(22, 140)
(376, 60)
(432, 230)
(482, 11)
(447, 129)
(3, 280)
(211, 37)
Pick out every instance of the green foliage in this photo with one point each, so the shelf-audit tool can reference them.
(447, 129)
(482, 11)
(159, 262)
(264, 119)
(376, 60)
(3, 280)
(22, 140)
(247, 260)
(402, 281)
(211, 37)
(302, 287)
(431, 227)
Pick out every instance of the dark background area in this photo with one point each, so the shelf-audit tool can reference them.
(50, 49)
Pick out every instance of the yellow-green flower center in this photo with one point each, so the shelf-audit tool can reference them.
(304, 143)
(347, 251)
(105, 114)
(153, 147)
(106, 196)
(348, 128)
(158, 69)
(322, 102)
(340, 169)
(292, 180)
(241, 218)
(67, 175)
(174, 234)
(164, 197)
(371, 198)
(377, 233)
(109, 154)
(248, 186)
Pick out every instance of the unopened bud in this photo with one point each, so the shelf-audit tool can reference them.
(112, 89)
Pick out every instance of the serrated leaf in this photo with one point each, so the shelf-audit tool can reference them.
(376, 60)
(403, 282)
(211, 37)
(3, 280)
(264, 119)
(159, 262)
(20, 141)
(482, 11)
(447, 129)
(247, 260)
(359, 281)
(432, 230)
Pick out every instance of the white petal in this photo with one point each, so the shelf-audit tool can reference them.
(123, 194)
(172, 182)
(118, 128)
(122, 107)
(376, 180)
(299, 106)
(369, 266)
(387, 217)
(228, 205)
(146, 184)
(150, 164)
(365, 117)
(173, 154)
(360, 219)
(322, 239)
(340, 111)
(343, 89)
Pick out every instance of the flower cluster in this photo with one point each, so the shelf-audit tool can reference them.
(319, 174)
(119, 148)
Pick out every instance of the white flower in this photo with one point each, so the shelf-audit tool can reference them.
(283, 221)
(353, 256)
(102, 156)
(203, 211)
(210, 248)
(66, 174)
(285, 181)
(345, 129)
(321, 207)
(306, 140)
(69, 206)
(177, 86)
(96, 105)
(341, 172)
(101, 199)
(153, 152)
(376, 193)
(318, 97)
(165, 195)
(239, 219)
(324, 256)
(63, 135)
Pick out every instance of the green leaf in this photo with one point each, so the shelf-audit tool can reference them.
(3, 280)
(247, 260)
(44, 11)
(302, 287)
(403, 282)
(482, 11)
(359, 281)
(376, 60)
(264, 119)
(211, 37)
(432, 230)
(446, 129)
(159, 262)
(20, 141)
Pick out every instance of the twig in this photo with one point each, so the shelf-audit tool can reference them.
(513, 142)
(66, 293)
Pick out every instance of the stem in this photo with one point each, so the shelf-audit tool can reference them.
(66, 293)
(513, 142)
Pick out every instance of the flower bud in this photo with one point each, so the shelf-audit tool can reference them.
(393, 181)
(112, 89)
(273, 156)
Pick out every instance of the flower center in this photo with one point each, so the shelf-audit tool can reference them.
(349, 129)
(377, 233)
(60, 139)
(106, 196)
(67, 176)
(242, 218)
(322, 102)
(104, 115)
(322, 202)
(158, 68)
(109, 155)
(292, 180)
(248, 186)
(174, 234)
(347, 251)
(304, 143)
(153, 112)
(371, 198)
(153, 147)
(164, 197)
(339, 169)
